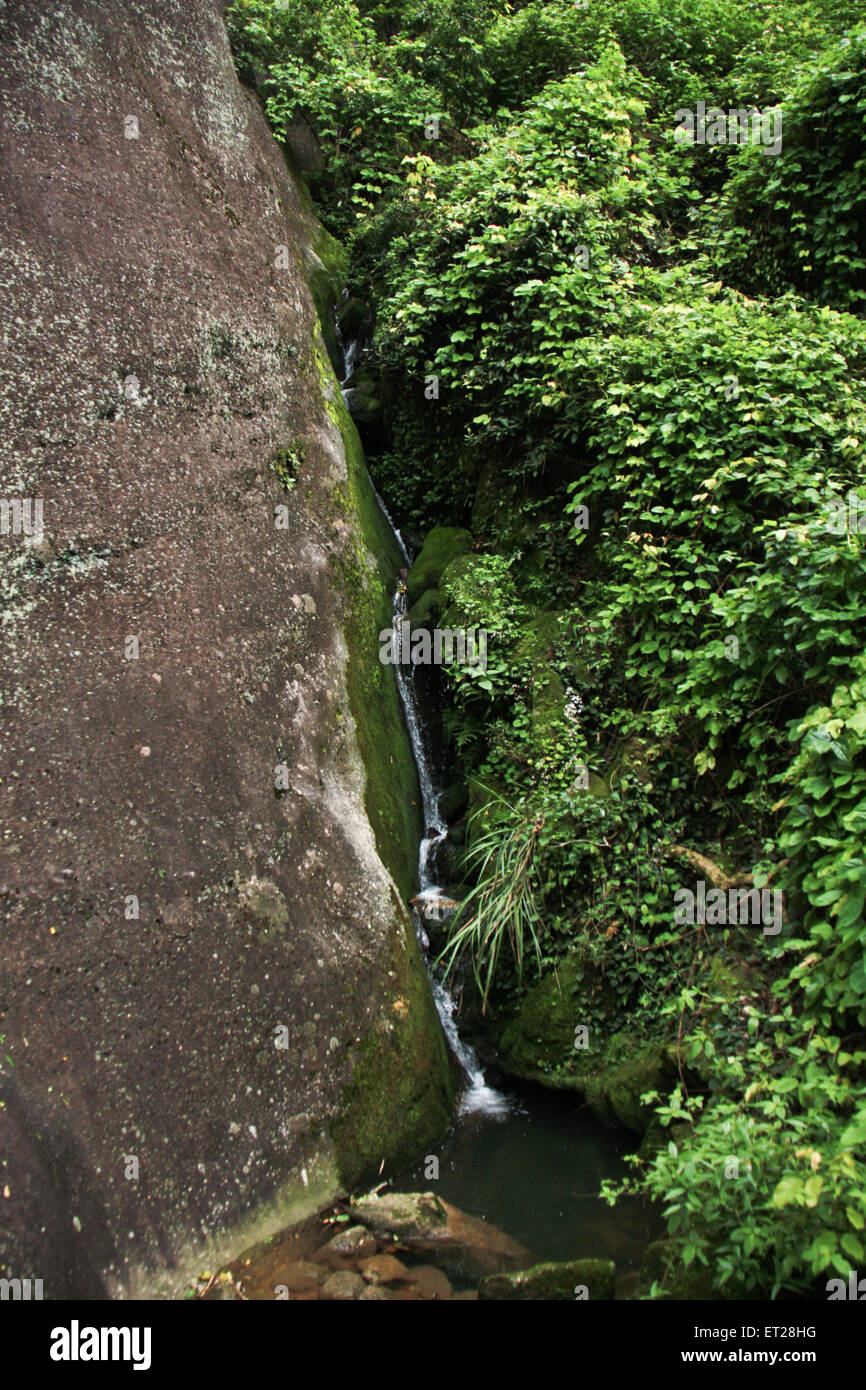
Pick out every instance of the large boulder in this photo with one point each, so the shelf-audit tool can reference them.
(213, 1001)
(422, 1223)
(441, 545)
(563, 1035)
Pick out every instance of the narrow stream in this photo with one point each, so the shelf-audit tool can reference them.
(430, 900)
(531, 1161)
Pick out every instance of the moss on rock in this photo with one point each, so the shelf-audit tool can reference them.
(392, 797)
(442, 545)
(428, 607)
(541, 1043)
(401, 1094)
(555, 1280)
(393, 1076)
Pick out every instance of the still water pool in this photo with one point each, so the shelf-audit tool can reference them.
(536, 1173)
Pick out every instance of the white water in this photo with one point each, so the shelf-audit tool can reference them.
(430, 901)
(478, 1097)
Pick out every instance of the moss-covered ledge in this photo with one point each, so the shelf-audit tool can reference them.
(401, 1095)
(564, 1035)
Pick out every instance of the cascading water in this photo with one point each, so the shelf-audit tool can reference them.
(430, 900)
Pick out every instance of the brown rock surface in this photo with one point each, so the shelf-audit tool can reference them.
(456, 1242)
(163, 911)
(383, 1269)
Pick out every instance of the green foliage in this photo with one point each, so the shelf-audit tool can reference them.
(800, 220)
(503, 907)
(650, 362)
(285, 463)
(765, 1189)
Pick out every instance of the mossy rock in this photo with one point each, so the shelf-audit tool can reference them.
(729, 977)
(402, 1067)
(392, 797)
(325, 273)
(323, 288)
(428, 607)
(453, 801)
(536, 636)
(548, 704)
(540, 1041)
(442, 545)
(611, 1072)
(362, 398)
(399, 1070)
(615, 1092)
(557, 1280)
(353, 314)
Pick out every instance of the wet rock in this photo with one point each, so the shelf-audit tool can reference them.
(443, 861)
(570, 1279)
(351, 1244)
(301, 1275)
(401, 1215)
(382, 1269)
(353, 316)
(342, 1286)
(461, 1245)
(430, 1282)
(362, 398)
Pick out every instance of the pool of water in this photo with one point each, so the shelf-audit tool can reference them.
(536, 1172)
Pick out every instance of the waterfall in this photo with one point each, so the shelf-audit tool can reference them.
(477, 1097)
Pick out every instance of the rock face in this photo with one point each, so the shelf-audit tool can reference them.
(211, 1001)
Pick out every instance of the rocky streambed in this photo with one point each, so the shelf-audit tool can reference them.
(405, 1247)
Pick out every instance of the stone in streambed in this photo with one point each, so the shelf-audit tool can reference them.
(383, 1269)
(553, 1281)
(301, 1276)
(342, 1286)
(462, 1245)
(353, 1243)
(430, 1282)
